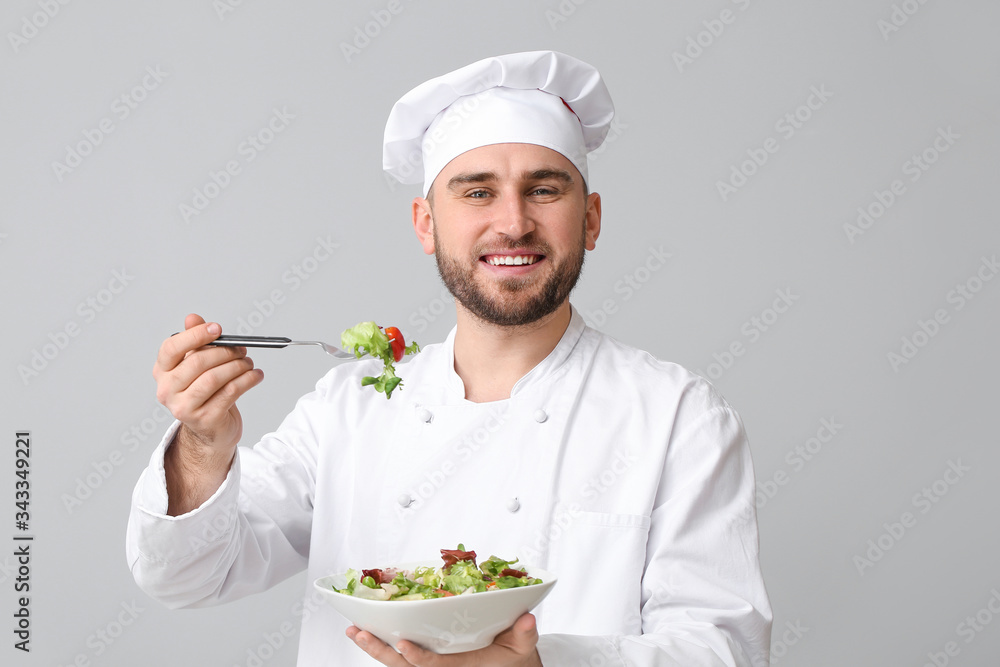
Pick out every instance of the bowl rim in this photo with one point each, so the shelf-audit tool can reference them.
(548, 580)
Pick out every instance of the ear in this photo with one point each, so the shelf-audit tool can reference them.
(423, 224)
(592, 221)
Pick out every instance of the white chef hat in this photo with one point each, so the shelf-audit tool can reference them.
(537, 97)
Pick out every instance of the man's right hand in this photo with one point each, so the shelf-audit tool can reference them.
(200, 384)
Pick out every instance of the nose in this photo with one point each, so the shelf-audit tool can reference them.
(513, 217)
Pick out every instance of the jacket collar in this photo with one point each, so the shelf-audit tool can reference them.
(455, 388)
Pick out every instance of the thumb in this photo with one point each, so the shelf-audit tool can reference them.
(524, 634)
(193, 320)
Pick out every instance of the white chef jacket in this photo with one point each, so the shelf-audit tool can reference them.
(627, 477)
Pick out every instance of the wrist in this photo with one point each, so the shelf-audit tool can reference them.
(194, 471)
(194, 455)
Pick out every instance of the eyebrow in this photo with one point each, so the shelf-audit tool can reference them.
(544, 174)
(464, 179)
(488, 177)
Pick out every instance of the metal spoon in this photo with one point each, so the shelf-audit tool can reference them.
(266, 341)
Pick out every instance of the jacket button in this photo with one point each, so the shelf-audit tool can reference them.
(424, 415)
(513, 505)
(540, 416)
(404, 500)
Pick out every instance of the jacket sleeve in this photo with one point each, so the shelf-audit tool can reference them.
(703, 598)
(250, 535)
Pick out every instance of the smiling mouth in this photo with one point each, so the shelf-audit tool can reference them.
(511, 260)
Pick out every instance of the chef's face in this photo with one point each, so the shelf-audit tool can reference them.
(509, 224)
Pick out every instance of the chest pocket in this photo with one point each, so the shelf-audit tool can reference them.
(588, 545)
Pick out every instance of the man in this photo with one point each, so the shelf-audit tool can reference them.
(524, 434)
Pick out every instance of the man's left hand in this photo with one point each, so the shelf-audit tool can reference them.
(514, 647)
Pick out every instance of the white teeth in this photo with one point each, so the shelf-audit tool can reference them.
(509, 260)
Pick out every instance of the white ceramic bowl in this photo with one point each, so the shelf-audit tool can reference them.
(443, 625)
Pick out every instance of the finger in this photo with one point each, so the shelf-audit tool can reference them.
(193, 320)
(190, 322)
(195, 364)
(216, 389)
(227, 395)
(173, 349)
(376, 648)
(170, 384)
(522, 637)
(520, 640)
(188, 403)
(419, 657)
(524, 633)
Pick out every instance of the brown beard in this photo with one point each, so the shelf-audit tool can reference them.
(511, 307)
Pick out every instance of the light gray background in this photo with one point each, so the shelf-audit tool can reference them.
(680, 131)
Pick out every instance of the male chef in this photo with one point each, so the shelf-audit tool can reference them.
(525, 433)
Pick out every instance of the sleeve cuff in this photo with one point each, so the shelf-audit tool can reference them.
(170, 538)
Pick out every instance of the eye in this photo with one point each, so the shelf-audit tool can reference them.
(544, 191)
(478, 194)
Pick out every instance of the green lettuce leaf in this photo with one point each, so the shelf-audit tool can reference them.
(352, 581)
(493, 566)
(368, 338)
(461, 576)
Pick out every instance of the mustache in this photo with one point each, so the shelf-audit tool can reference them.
(526, 242)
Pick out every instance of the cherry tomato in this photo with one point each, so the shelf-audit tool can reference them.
(396, 339)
